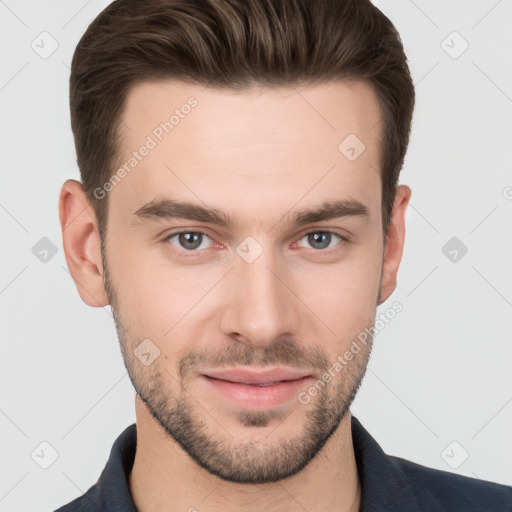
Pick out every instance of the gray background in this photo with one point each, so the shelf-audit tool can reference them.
(439, 385)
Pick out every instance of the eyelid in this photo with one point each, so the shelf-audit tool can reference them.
(343, 234)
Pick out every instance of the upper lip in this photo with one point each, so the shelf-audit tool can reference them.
(257, 377)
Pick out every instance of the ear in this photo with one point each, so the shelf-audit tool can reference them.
(81, 241)
(395, 243)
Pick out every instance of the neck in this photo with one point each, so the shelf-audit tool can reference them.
(165, 478)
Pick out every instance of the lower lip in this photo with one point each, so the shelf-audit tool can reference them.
(258, 397)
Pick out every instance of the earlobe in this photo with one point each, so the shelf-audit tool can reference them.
(81, 242)
(395, 243)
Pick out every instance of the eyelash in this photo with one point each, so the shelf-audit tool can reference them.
(195, 252)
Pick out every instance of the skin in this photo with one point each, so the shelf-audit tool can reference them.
(261, 154)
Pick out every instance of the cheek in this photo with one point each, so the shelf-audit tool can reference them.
(344, 296)
(157, 301)
(351, 284)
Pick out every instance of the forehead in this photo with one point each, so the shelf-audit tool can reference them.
(260, 113)
(248, 149)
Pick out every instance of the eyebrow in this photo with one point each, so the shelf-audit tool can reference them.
(168, 208)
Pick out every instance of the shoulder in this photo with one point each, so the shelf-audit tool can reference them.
(88, 502)
(81, 504)
(111, 490)
(449, 491)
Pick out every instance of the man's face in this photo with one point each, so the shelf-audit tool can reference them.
(263, 293)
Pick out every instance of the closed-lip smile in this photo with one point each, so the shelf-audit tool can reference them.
(246, 376)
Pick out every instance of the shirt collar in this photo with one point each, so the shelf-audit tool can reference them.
(384, 485)
(112, 490)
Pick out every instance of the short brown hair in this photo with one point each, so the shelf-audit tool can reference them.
(234, 44)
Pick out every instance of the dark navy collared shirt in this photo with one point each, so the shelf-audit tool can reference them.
(388, 483)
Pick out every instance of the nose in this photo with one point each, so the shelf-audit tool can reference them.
(259, 306)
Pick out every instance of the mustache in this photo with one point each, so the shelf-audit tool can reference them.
(283, 352)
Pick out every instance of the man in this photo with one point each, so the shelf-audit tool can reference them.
(239, 210)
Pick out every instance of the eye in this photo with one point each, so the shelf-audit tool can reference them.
(321, 240)
(193, 242)
(188, 241)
